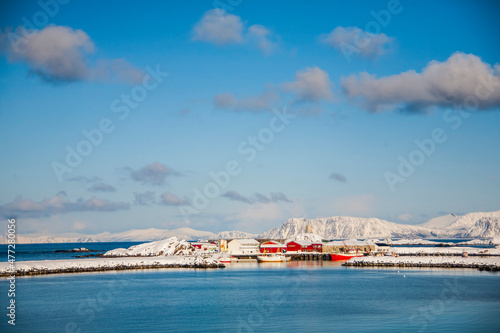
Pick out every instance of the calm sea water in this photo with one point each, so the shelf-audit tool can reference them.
(293, 297)
(25, 252)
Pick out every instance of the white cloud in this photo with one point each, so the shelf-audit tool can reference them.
(353, 40)
(310, 85)
(257, 198)
(261, 36)
(145, 199)
(338, 177)
(219, 27)
(459, 79)
(60, 54)
(58, 204)
(170, 199)
(102, 187)
(251, 103)
(152, 174)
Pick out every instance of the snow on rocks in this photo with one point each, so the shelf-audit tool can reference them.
(107, 264)
(165, 253)
(164, 247)
(482, 263)
(444, 251)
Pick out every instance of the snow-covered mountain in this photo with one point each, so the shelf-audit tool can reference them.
(347, 227)
(472, 225)
(440, 221)
(480, 225)
(234, 234)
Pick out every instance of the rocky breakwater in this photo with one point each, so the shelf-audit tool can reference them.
(489, 264)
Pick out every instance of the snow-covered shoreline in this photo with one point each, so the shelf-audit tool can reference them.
(38, 267)
(160, 254)
(482, 263)
(444, 251)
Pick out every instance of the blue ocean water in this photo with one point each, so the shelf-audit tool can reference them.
(25, 252)
(293, 297)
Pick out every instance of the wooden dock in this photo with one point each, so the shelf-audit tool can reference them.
(293, 256)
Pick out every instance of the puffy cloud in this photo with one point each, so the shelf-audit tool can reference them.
(153, 174)
(353, 40)
(261, 36)
(218, 27)
(58, 204)
(274, 197)
(251, 103)
(59, 54)
(462, 78)
(338, 177)
(257, 198)
(221, 28)
(170, 199)
(233, 195)
(145, 198)
(310, 85)
(102, 187)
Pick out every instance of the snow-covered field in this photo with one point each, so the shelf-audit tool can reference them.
(491, 263)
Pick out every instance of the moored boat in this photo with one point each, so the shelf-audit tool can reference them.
(344, 256)
(225, 260)
(273, 258)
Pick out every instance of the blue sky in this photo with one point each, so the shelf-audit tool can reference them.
(379, 109)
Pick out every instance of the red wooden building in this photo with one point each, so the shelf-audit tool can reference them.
(204, 246)
(303, 246)
(272, 247)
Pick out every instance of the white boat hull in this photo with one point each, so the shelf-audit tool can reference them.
(272, 259)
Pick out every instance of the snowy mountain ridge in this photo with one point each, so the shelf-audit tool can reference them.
(347, 227)
(472, 225)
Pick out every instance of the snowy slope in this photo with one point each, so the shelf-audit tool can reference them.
(482, 225)
(347, 227)
(166, 247)
(476, 223)
(234, 234)
(441, 221)
(312, 237)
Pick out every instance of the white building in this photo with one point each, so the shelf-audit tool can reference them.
(243, 246)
